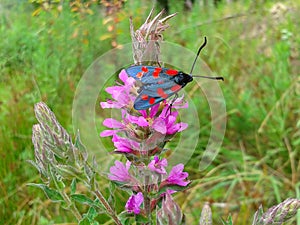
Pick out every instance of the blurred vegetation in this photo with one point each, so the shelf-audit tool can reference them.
(253, 44)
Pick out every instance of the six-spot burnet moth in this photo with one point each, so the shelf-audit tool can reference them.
(159, 83)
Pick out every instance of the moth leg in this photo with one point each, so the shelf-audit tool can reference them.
(170, 106)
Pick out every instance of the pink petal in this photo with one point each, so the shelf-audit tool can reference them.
(107, 133)
(143, 113)
(141, 121)
(154, 110)
(183, 126)
(111, 104)
(114, 89)
(159, 125)
(112, 123)
(123, 75)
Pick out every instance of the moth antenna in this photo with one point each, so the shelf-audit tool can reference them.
(198, 53)
(212, 78)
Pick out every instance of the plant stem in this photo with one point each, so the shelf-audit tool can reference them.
(147, 205)
(73, 207)
(110, 211)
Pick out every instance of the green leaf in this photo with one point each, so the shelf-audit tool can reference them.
(89, 217)
(91, 214)
(78, 144)
(52, 194)
(228, 221)
(82, 199)
(112, 188)
(126, 218)
(56, 178)
(140, 219)
(73, 186)
(84, 221)
(86, 201)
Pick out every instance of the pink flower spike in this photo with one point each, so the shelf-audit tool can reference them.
(134, 203)
(120, 172)
(177, 176)
(158, 166)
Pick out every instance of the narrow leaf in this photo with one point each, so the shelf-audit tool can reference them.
(73, 186)
(52, 194)
(82, 199)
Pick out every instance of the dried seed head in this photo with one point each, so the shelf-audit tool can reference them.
(145, 40)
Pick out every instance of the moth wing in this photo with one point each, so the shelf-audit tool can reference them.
(154, 93)
(138, 72)
(162, 87)
(141, 104)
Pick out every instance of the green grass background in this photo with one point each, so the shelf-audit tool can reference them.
(42, 58)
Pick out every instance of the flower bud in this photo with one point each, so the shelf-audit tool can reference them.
(170, 212)
(277, 214)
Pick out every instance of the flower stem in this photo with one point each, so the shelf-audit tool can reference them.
(147, 200)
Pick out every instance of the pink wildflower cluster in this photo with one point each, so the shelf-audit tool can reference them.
(141, 136)
(140, 132)
(159, 177)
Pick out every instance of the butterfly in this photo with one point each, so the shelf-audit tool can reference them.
(158, 83)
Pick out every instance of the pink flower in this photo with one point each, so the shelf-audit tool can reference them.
(167, 124)
(124, 144)
(120, 172)
(177, 176)
(134, 202)
(158, 166)
(127, 124)
(112, 123)
(121, 94)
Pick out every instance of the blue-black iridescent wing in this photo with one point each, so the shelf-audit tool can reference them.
(157, 84)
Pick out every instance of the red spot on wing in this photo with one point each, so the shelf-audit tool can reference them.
(176, 88)
(139, 74)
(155, 74)
(151, 101)
(161, 93)
(144, 97)
(171, 72)
(144, 69)
(160, 82)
